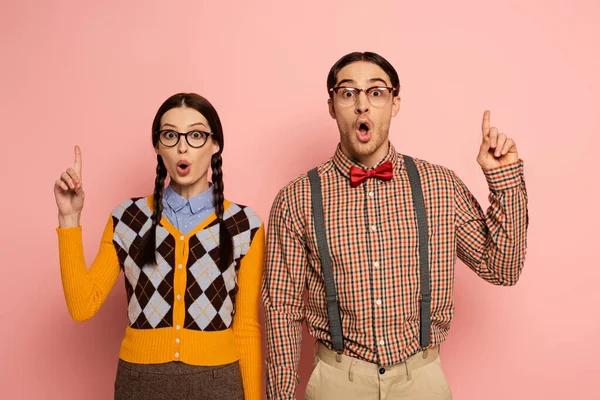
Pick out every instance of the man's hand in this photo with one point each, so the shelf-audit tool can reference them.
(496, 148)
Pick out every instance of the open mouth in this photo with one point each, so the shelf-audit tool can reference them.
(364, 132)
(183, 167)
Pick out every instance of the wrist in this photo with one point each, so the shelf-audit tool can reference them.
(68, 221)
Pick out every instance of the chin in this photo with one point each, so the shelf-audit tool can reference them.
(185, 180)
(364, 149)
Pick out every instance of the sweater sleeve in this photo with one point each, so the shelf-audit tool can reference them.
(86, 290)
(246, 326)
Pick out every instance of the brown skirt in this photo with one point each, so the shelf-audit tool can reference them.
(176, 380)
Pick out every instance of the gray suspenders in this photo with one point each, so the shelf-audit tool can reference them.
(419, 206)
(333, 311)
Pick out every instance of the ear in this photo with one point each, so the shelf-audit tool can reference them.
(156, 150)
(331, 108)
(216, 147)
(396, 106)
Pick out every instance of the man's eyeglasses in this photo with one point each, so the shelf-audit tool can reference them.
(378, 96)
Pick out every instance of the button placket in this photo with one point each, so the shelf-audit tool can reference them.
(374, 228)
(177, 348)
(179, 283)
(370, 193)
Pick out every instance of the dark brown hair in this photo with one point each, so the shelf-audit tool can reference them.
(147, 253)
(363, 56)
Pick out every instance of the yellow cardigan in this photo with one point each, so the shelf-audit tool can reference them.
(86, 290)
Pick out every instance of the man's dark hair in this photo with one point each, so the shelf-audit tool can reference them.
(364, 56)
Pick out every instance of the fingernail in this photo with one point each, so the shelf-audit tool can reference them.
(497, 154)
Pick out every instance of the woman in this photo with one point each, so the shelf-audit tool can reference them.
(192, 263)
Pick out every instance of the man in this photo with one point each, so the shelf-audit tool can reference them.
(391, 229)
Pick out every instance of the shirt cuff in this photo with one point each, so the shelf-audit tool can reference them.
(505, 177)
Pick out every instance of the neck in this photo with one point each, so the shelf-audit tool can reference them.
(194, 189)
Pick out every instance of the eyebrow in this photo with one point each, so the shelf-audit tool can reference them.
(353, 82)
(373, 80)
(189, 126)
(345, 81)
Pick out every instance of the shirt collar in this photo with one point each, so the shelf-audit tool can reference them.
(196, 204)
(343, 162)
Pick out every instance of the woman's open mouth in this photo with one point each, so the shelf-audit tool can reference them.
(183, 167)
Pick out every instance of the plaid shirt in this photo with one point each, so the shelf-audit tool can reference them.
(373, 239)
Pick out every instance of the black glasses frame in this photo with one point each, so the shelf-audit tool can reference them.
(179, 135)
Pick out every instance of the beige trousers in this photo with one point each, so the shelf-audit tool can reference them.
(345, 378)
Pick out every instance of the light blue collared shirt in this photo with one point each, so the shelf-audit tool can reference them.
(186, 214)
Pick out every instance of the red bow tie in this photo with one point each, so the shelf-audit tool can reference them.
(383, 172)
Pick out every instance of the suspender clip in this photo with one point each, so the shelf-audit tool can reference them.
(338, 356)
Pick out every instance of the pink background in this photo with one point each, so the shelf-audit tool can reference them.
(94, 74)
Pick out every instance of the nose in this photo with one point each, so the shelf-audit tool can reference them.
(362, 103)
(182, 146)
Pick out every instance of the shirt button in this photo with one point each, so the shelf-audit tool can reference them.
(382, 371)
(177, 327)
(376, 264)
(178, 297)
(177, 341)
(180, 266)
(181, 237)
(373, 228)
(371, 194)
(382, 342)
(176, 355)
(378, 302)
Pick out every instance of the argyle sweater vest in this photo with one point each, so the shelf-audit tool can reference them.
(209, 294)
(184, 308)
